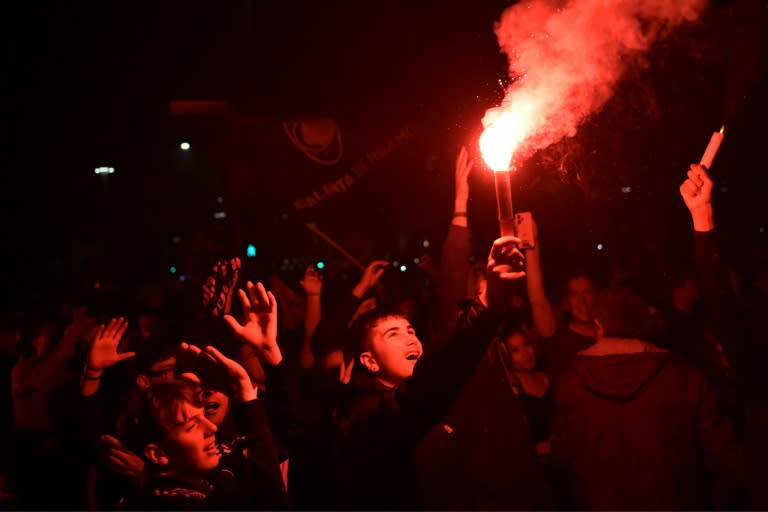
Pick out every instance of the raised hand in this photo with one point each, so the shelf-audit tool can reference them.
(697, 195)
(260, 327)
(371, 276)
(244, 390)
(502, 264)
(103, 350)
(312, 282)
(697, 189)
(463, 167)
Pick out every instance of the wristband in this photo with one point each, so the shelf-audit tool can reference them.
(459, 214)
(88, 376)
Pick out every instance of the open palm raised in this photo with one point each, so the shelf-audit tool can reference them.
(260, 327)
(103, 350)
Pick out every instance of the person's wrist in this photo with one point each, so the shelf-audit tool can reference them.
(359, 290)
(90, 373)
(271, 355)
(249, 392)
(703, 218)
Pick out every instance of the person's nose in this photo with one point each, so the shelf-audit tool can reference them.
(209, 426)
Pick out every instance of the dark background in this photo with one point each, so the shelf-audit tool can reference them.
(90, 83)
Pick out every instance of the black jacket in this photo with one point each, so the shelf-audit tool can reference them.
(741, 326)
(481, 455)
(380, 427)
(632, 423)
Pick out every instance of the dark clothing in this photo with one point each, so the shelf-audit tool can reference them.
(683, 332)
(93, 414)
(380, 427)
(538, 411)
(632, 422)
(97, 415)
(451, 285)
(561, 348)
(481, 456)
(56, 461)
(238, 482)
(304, 423)
(44, 462)
(171, 491)
(6, 411)
(741, 327)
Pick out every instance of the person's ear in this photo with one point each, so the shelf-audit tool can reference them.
(368, 361)
(155, 454)
(600, 329)
(143, 381)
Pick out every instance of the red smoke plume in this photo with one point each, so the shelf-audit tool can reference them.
(564, 61)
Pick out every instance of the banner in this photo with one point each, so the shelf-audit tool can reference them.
(359, 169)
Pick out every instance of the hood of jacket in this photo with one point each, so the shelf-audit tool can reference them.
(619, 369)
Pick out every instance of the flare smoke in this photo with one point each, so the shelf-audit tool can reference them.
(566, 58)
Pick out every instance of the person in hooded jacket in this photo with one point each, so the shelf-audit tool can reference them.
(632, 421)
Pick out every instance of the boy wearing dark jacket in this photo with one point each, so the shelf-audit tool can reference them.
(632, 421)
(167, 425)
(185, 467)
(398, 396)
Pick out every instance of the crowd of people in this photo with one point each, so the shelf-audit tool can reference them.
(470, 389)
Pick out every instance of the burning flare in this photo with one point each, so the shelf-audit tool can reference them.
(565, 58)
(505, 130)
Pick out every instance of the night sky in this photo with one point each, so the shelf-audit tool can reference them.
(90, 83)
